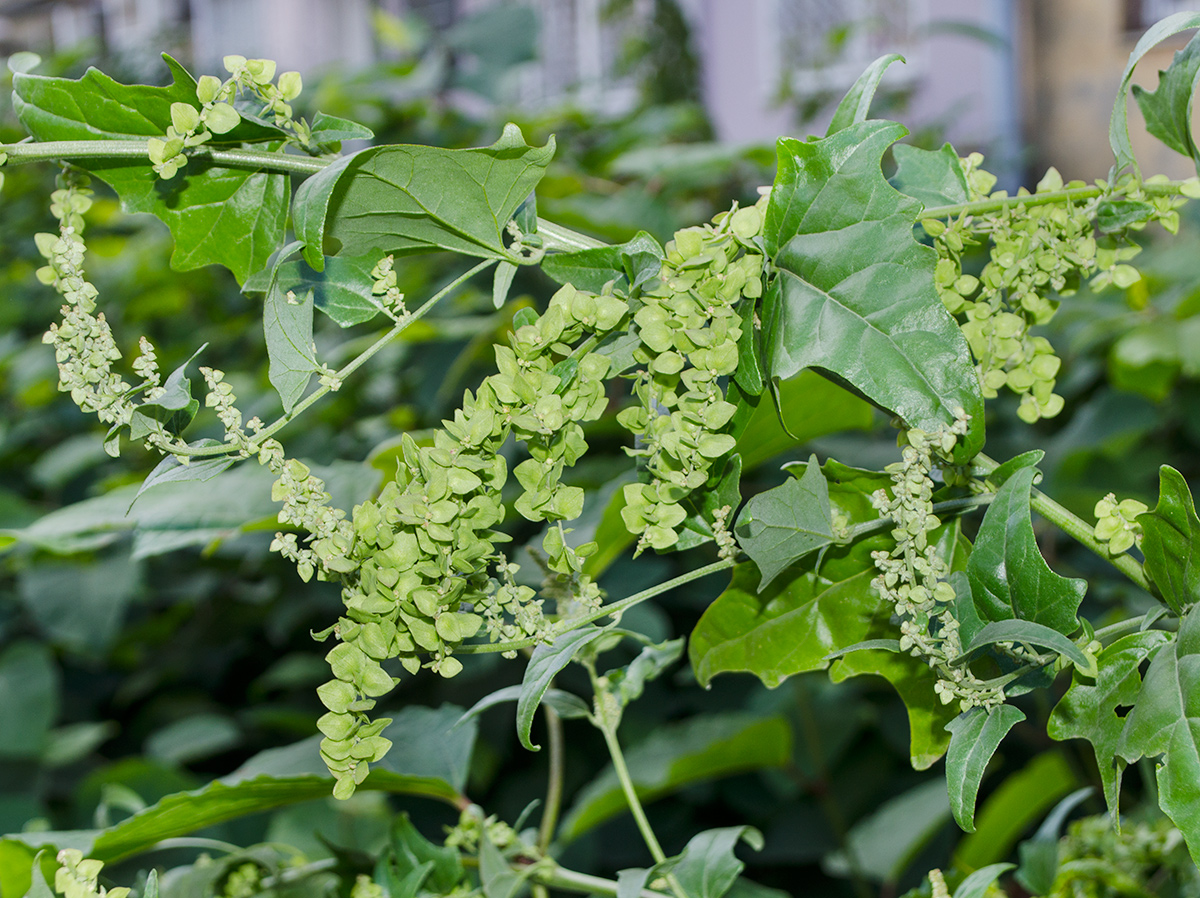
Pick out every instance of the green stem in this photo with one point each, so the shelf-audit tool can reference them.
(950, 506)
(554, 780)
(1066, 195)
(583, 883)
(1077, 528)
(344, 372)
(48, 150)
(603, 611)
(607, 719)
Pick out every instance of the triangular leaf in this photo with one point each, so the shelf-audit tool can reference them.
(855, 295)
(1171, 541)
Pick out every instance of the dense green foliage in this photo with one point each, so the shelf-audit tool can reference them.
(589, 486)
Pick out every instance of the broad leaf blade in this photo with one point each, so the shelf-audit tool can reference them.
(396, 199)
(856, 105)
(1009, 578)
(1168, 108)
(1118, 126)
(342, 289)
(1171, 542)
(630, 264)
(287, 325)
(677, 755)
(1026, 631)
(974, 737)
(855, 296)
(707, 866)
(780, 526)
(935, 177)
(1165, 723)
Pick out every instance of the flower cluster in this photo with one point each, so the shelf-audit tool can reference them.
(689, 327)
(78, 877)
(1116, 523)
(913, 575)
(1038, 252)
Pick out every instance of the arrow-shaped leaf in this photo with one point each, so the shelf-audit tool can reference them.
(1171, 542)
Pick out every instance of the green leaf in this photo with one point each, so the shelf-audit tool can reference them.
(707, 866)
(330, 128)
(629, 264)
(1009, 578)
(856, 105)
(786, 629)
(1027, 631)
(676, 755)
(497, 878)
(1118, 126)
(288, 324)
(723, 490)
(1171, 541)
(884, 843)
(502, 282)
(974, 737)
(1088, 710)
(935, 177)
(78, 603)
(1165, 723)
(29, 699)
(174, 408)
(778, 527)
(627, 683)
(855, 296)
(38, 887)
(341, 289)
(1116, 215)
(977, 884)
(395, 199)
(412, 851)
(913, 681)
(544, 665)
(1168, 108)
(1039, 855)
(1013, 807)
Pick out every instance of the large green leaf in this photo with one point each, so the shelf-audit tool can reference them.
(1165, 723)
(544, 665)
(429, 758)
(785, 629)
(781, 525)
(1171, 541)
(1168, 108)
(1118, 126)
(855, 295)
(1009, 578)
(395, 199)
(701, 748)
(974, 737)
(233, 217)
(179, 514)
(342, 289)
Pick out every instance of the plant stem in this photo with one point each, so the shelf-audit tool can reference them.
(1079, 529)
(607, 718)
(603, 611)
(1067, 195)
(44, 151)
(554, 780)
(583, 883)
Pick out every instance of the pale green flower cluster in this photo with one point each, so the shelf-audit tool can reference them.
(1116, 523)
(78, 877)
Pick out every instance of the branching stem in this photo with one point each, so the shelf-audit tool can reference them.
(1066, 195)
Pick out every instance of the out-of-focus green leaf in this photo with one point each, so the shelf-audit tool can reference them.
(856, 105)
(978, 883)
(395, 199)
(1171, 542)
(1009, 578)
(1118, 126)
(676, 755)
(329, 128)
(1168, 108)
(887, 841)
(855, 296)
(935, 177)
(778, 527)
(193, 738)
(974, 737)
(79, 604)
(1013, 808)
(29, 699)
(1165, 723)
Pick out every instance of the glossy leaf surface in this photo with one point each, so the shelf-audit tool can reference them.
(1171, 542)
(974, 737)
(396, 199)
(544, 664)
(855, 296)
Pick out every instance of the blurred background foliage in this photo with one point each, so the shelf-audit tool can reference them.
(146, 655)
